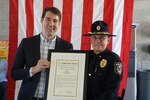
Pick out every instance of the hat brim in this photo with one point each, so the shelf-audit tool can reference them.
(98, 33)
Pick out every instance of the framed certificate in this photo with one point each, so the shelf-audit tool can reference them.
(67, 76)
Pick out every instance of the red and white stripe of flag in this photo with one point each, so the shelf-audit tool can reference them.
(77, 17)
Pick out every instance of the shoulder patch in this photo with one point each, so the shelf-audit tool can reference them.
(118, 68)
(103, 63)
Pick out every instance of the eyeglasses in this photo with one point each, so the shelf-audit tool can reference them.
(98, 38)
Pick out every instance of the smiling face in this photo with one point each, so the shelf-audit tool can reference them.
(50, 24)
(99, 43)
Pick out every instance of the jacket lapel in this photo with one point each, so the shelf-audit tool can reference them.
(36, 42)
(58, 43)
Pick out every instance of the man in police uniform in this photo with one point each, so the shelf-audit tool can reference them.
(105, 68)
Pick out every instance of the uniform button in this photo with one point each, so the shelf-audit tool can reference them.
(89, 74)
(100, 56)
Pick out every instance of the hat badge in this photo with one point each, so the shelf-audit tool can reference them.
(98, 27)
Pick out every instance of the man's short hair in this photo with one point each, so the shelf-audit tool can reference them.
(54, 10)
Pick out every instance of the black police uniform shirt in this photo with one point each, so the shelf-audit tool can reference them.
(104, 76)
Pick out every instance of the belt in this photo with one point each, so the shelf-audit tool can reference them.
(35, 98)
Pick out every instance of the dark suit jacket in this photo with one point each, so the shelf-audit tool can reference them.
(27, 56)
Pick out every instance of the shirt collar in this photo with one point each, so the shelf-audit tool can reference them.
(45, 40)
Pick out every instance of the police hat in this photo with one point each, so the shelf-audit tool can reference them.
(99, 28)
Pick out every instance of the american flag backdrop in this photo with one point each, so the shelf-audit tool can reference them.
(77, 17)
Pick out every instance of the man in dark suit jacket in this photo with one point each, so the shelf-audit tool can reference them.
(31, 58)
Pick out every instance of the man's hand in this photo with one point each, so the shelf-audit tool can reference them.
(42, 64)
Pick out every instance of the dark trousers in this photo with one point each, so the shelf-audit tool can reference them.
(3, 86)
(37, 98)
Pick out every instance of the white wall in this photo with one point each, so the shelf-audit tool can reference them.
(141, 15)
(4, 19)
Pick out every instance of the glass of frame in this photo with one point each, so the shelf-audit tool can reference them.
(67, 75)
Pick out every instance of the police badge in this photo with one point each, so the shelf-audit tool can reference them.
(118, 68)
(103, 63)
